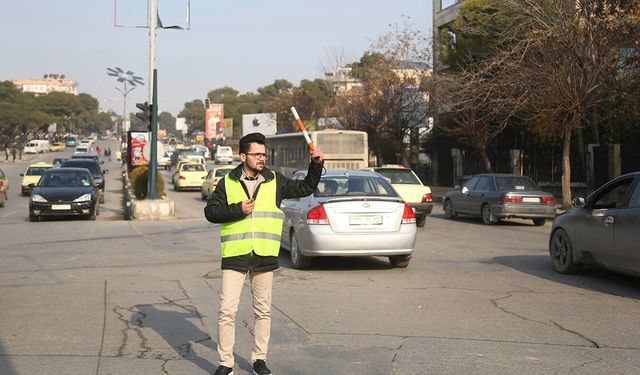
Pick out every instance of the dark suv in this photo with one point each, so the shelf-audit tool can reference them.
(94, 167)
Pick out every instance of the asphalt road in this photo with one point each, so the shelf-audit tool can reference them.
(141, 297)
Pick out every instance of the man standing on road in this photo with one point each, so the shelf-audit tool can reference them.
(246, 203)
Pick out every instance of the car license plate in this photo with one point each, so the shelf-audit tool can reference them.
(365, 220)
(60, 206)
(530, 200)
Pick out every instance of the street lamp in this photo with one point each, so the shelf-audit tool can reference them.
(132, 80)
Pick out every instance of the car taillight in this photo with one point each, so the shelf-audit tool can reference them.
(548, 200)
(317, 215)
(182, 178)
(408, 216)
(511, 199)
(427, 198)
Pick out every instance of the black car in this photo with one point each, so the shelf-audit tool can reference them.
(57, 162)
(93, 167)
(65, 192)
(601, 229)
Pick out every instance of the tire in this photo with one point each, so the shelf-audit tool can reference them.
(421, 221)
(92, 216)
(487, 215)
(538, 222)
(299, 261)
(447, 207)
(400, 261)
(561, 253)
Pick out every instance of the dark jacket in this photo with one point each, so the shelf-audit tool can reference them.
(218, 211)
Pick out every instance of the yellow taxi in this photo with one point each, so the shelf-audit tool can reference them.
(57, 147)
(410, 189)
(189, 176)
(214, 176)
(31, 176)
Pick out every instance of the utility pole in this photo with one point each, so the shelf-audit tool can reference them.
(153, 99)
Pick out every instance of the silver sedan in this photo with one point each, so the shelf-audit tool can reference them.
(352, 213)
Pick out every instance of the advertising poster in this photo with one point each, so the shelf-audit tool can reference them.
(264, 123)
(137, 141)
(214, 118)
(228, 128)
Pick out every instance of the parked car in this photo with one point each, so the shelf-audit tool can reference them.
(4, 187)
(601, 229)
(352, 213)
(224, 154)
(32, 175)
(211, 181)
(497, 196)
(189, 175)
(57, 162)
(410, 188)
(65, 192)
(94, 167)
(56, 147)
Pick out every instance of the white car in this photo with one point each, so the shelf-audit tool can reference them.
(224, 154)
(202, 149)
(82, 150)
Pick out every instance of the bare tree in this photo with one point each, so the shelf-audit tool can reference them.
(568, 63)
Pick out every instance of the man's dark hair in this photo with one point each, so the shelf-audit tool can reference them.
(246, 141)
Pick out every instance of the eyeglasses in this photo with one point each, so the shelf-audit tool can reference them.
(259, 155)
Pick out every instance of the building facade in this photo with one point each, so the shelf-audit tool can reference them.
(50, 83)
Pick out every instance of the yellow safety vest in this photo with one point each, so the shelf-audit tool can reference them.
(260, 231)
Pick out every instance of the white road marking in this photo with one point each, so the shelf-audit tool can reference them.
(9, 214)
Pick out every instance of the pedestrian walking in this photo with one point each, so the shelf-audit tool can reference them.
(6, 153)
(246, 203)
(13, 153)
(106, 153)
(98, 151)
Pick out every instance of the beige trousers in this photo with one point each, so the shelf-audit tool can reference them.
(230, 291)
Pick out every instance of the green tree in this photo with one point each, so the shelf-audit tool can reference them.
(88, 103)
(194, 113)
(167, 122)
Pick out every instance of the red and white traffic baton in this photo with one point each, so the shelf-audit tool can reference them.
(302, 129)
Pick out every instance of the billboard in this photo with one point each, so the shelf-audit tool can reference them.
(228, 128)
(137, 141)
(264, 123)
(214, 118)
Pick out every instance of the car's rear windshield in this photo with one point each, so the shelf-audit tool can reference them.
(399, 176)
(92, 166)
(65, 179)
(354, 185)
(193, 168)
(222, 172)
(516, 183)
(225, 151)
(36, 171)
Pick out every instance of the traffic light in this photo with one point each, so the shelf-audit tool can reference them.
(207, 103)
(145, 114)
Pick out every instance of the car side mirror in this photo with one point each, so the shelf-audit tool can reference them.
(578, 202)
(465, 190)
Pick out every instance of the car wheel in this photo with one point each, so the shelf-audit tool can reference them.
(448, 209)
(400, 261)
(561, 252)
(299, 261)
(487, 215)
(92, 215)
(539, 221)
(421, 221)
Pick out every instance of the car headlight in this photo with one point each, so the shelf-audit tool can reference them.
(83, 198)
(37, 198)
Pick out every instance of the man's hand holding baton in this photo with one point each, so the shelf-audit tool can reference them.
(316, 154)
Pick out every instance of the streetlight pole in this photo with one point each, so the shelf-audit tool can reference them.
(153, 100)
(129, 78)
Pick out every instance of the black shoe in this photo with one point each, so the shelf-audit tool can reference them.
(260, 368)
(223, 370)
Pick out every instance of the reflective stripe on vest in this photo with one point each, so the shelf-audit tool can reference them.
(260, 231)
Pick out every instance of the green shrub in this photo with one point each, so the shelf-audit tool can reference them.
(139, 180)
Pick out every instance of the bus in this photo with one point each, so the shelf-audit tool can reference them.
(343, 149)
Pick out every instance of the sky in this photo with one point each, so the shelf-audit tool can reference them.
(245, 44)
